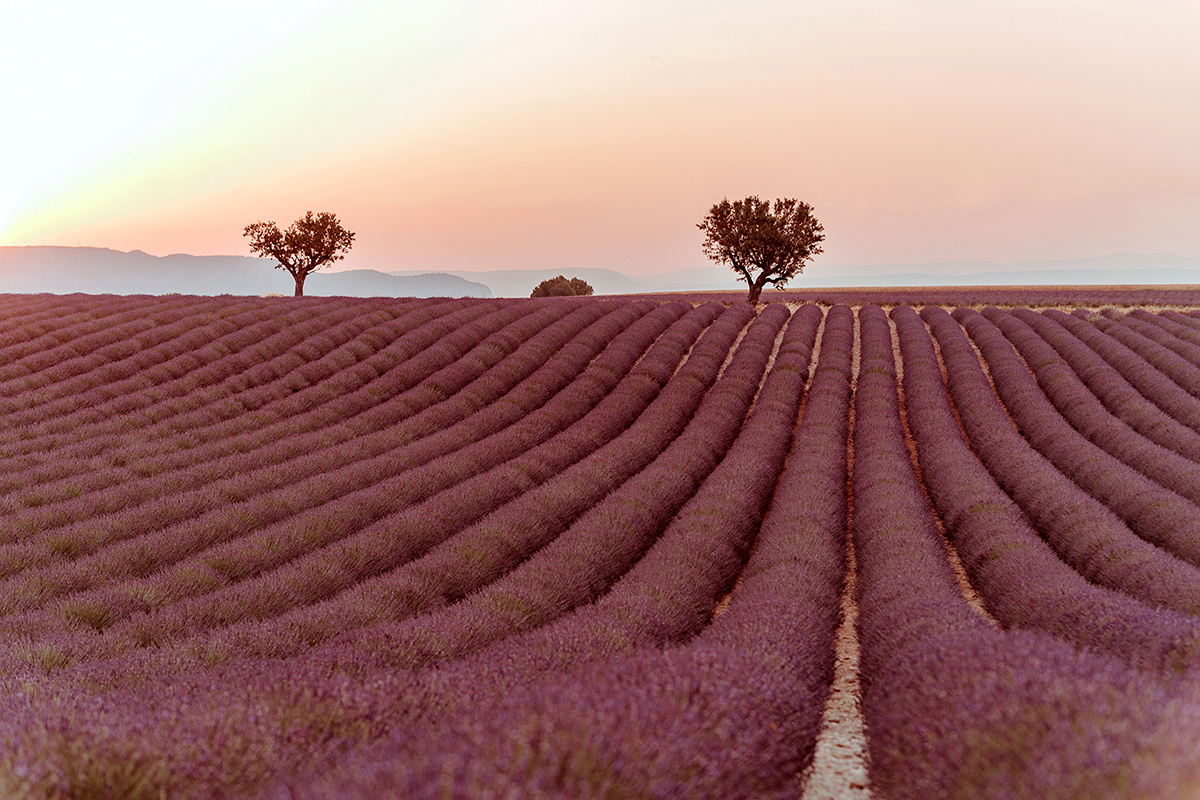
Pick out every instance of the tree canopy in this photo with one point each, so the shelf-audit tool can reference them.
(764, 245)
(562, 287)
(309, 243)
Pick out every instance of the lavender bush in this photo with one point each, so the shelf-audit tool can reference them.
(1155, 513)
(1120, 398)
(1147, 341)
(1002, 552)
(1150, 382)
(1180, 338)
(956, 708)
(1088, 416)
(1182, 319)
(1082, 530)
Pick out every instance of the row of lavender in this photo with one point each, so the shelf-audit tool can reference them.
(1003, 296)
(530, 601)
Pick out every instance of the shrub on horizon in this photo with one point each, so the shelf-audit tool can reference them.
(562, 287)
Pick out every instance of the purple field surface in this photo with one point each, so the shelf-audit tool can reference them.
(602, 546)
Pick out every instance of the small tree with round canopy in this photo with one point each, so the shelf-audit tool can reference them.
(764, 245)
(309, 243)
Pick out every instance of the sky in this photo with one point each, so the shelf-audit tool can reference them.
(550, 134)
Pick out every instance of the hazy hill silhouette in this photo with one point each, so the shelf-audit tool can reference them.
(97, 270)
(520, 282)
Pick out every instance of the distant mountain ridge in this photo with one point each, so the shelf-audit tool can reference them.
(96, 270)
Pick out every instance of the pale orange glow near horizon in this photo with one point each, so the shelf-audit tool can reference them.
(479, 136)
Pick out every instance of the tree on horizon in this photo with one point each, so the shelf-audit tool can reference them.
(309, 243)
(750, 235)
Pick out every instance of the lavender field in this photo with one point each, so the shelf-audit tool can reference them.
(588, 547)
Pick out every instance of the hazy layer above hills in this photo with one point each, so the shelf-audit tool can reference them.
(93, 270)
(1107, 270)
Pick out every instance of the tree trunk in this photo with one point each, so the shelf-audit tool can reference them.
(755, 290)
(299, 284)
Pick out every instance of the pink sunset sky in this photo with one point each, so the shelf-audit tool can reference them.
(537, 134)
